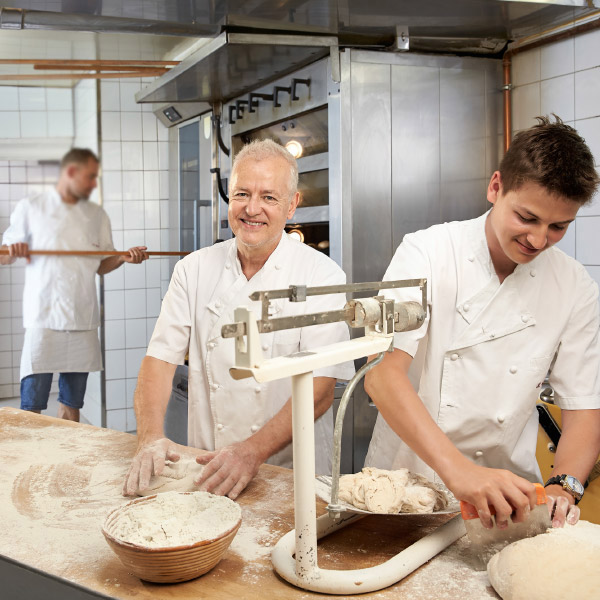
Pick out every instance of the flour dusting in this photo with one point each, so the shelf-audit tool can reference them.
(173, 519)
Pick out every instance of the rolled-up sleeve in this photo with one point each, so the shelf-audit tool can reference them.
(171, 338)
(18, 230)
(575, 376)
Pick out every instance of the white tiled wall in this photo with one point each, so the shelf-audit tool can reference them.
(134, 164)
(564, 78)
(36, 112)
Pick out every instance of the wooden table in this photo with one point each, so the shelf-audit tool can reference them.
(58, 480)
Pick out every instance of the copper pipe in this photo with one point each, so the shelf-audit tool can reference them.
(94, 253)
(506, 100)
(507, 63)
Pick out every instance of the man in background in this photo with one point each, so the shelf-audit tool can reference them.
(60, 307)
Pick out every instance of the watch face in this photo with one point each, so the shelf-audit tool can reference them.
(574, 484)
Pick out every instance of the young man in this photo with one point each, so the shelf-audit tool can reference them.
(457, 397)
(60, 310)
(242, 423)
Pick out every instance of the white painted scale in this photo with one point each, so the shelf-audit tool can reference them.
(295, 555)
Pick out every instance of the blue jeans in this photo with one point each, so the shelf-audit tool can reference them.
(35, 390)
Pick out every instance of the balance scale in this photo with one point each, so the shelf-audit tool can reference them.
(295, 555)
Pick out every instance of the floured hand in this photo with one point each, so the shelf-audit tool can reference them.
(149, 460)
(176, 477)
(229, 470)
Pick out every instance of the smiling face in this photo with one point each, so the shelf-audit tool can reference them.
(524, 222)
(260, 202)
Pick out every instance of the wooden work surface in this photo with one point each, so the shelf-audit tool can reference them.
(58, 481)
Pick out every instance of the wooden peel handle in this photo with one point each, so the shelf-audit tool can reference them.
(95, 253)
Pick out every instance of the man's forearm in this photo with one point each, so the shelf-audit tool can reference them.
(152, 393)
(110, 263)
(579, 444)
(276, 433)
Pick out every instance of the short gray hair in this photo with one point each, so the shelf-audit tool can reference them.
(263, 149)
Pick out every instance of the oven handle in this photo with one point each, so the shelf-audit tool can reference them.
(217, 172)
(216, 119)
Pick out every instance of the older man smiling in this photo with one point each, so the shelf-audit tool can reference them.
(242, 423)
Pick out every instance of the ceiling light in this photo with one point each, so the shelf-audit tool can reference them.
(294, 148)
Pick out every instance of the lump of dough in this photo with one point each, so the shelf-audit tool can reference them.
(383, 494)
(562, 563)
(176, 477)
(389, 492)
(345, 488)
(418, 499)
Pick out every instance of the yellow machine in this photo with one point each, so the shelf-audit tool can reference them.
(548, 436)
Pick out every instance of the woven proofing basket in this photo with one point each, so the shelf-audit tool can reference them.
(167, 565)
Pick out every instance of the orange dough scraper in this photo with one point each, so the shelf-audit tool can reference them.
(487, 542)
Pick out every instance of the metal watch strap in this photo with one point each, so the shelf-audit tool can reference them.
(559, 480)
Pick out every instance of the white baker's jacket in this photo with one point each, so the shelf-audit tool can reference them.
(60, 291)
(482, 354)
(205, 289)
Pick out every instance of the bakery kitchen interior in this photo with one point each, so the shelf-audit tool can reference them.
(165, 350)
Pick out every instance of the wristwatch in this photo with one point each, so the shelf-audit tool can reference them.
(570, 484)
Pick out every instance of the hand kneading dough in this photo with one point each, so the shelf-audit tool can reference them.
(562, 563)
(381, 491)
(177, 477)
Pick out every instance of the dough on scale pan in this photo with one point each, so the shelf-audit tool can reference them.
(177, 477)
(562, 563)
(389, 492)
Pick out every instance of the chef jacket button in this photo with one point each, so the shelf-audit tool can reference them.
(265, 347)
(492, 336)
(214, 386)
(278, 267)
(454, 356)
(218, 305)
(220, 426)
(470, 258)
(211, 345)
(513, 369)
(524, 318)
(466, 307)
(228, 266)
(254, 428)
(479, 453)
(257, 389)
(500, 418)
(533, 272)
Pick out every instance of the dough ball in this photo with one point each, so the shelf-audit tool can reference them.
(562, 563)
(176, 477)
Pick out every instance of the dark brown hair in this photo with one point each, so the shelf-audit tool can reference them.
(554, 156)
(79, 156)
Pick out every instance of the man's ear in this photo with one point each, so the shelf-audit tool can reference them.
(72, 169)
(293, 205)
(494, 189)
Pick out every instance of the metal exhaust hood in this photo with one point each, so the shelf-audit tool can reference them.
(235, 63)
